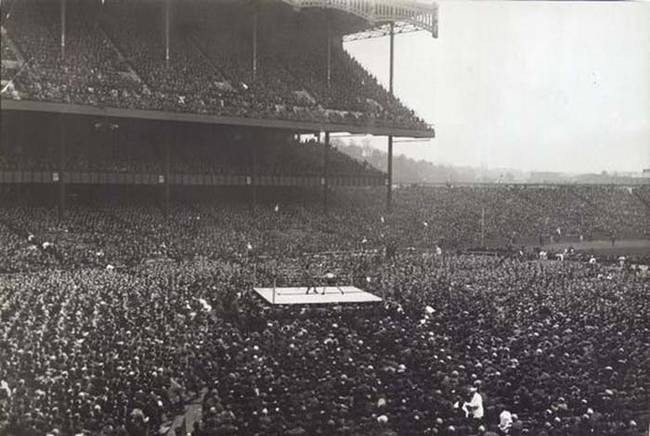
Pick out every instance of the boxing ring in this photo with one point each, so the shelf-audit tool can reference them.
(321, 295)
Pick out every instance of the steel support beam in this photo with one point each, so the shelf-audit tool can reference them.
(254, 60)
(63, 26)
(389, 181)
(389, 176)
(381, 31)
(325, 181)
(167, 182)
(142, 114)
(329, 53)
(254, 177)
(167, 30)
(61, 168)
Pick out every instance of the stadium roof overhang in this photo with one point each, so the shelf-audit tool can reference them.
(294, 126)
(407, 15)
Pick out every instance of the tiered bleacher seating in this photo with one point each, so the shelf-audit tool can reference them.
(115, 55)
(288, 158)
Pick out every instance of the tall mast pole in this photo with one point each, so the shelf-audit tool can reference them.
(389, 182)
(254, 60)
(63, 27)
(167, 30)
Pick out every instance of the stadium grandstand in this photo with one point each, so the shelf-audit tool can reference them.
(242, 72)
(182, 251)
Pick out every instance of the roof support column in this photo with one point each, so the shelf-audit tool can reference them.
(168, 144)
(391, 59)
(254, 60)
(61, 168)
(389, 175)
(167, 30)
(254, 177)
(329, 53)
(325, 181)
(389, 181)
(63, 27)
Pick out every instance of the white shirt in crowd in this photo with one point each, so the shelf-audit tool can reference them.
(505, 420)
(475, 407)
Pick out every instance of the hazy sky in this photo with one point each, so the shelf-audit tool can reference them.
(561, 86)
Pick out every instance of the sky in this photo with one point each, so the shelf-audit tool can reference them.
(536, 86)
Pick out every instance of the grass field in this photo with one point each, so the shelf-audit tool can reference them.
(626, 247)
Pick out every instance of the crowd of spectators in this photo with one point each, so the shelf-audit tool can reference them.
(121, 316)
(6, 52)
(114, 316)
(283, 156)
(89, 72)
(530, 213)
(452, 217)
(116, 55)
(9, 63)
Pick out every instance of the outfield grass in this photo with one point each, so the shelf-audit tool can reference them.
(626, 247)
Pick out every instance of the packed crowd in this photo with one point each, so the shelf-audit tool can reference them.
(551, 348)
(89, 72)
(530, 213)
(115, 55)
(114, 316)
(452, 217)
(9, 64)
(98, 152)
(6, 51)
